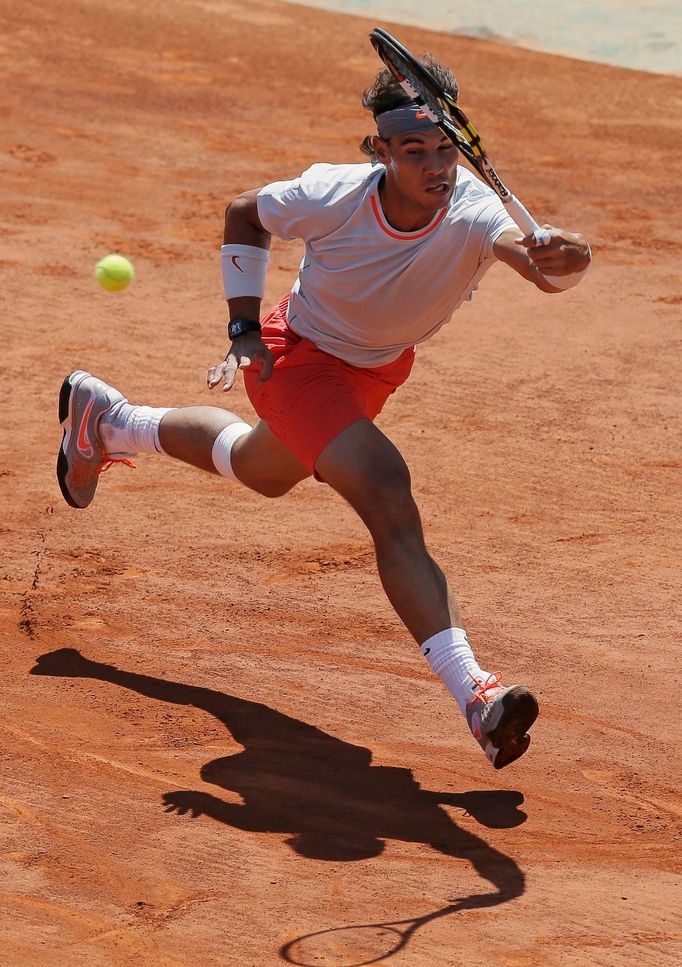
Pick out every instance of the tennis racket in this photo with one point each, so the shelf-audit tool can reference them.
(440, 107)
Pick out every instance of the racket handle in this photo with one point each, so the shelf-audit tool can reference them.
(525, 220)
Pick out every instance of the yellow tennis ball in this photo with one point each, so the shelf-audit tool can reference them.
(114, 273)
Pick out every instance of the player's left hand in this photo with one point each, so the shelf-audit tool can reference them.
(564, 254)
(248, 350)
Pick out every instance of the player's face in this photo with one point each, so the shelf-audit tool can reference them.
(423, 167)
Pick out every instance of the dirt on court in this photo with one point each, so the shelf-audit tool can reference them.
(217, 739)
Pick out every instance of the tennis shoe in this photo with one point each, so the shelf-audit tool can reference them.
(499, 719)
(82, 401)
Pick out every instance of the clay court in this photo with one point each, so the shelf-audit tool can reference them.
(219, 745)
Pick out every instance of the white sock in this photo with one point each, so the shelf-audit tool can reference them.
(126, 430)
(450, 656)
(222, 448)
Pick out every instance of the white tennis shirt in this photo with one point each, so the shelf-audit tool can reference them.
(366, 292)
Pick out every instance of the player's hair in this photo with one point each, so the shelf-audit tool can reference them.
(385, 94)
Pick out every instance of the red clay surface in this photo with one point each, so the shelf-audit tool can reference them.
(248, 748)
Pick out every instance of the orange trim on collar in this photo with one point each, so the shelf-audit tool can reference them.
(407, 236)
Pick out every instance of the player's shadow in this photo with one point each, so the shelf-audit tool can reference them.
(322, 793)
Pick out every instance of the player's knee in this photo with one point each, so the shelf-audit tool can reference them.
(271, 488)
(388, 506)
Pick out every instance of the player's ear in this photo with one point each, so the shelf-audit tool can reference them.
(381, 149)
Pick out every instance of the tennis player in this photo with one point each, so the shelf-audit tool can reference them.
(392, 248)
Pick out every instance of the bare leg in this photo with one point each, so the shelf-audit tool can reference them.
(259, 460)
(367, 470)
(188, 433)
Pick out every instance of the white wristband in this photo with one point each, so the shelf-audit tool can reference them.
(567, 281)
(244, 268)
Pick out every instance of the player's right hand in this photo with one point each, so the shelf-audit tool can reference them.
(248, 350)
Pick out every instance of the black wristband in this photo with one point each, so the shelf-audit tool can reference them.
(240, 326)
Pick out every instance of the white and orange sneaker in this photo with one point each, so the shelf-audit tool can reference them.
(82, 401)
(499, 719)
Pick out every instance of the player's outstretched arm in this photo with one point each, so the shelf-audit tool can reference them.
(553, 267)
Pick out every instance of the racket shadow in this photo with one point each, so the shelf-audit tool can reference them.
(359, 945)
(322, 794)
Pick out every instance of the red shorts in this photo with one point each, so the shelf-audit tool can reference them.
(312, 396)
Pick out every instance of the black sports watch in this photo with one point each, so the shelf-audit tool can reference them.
(240, 325)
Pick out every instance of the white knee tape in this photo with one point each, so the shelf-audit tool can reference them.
(222, 448)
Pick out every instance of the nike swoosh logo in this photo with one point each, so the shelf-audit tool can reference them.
(84, 444)
(236, 263)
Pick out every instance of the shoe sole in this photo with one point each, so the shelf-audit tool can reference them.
(520, 710)
(65, 420)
